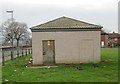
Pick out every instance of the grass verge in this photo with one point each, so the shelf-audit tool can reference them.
(105, 71)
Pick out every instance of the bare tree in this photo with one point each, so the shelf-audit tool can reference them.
(26, 40)
(20, 31)
(14, 31)
(8, 28)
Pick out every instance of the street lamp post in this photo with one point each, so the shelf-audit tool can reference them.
(10, 11)
(11, 14)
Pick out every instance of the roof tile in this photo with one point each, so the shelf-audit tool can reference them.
(65, 22)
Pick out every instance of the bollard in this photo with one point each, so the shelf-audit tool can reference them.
(26, 51)
(29, 51)
(3, 58)
(22, 52)
(12, 54)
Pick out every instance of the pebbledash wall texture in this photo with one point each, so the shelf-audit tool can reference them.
(74, 42)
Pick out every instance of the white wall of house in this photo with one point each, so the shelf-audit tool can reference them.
(70, 47)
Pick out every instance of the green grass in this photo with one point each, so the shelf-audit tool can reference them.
(106, 71)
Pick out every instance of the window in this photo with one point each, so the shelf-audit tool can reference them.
(116, 39)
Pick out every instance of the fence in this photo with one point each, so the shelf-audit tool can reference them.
(11, 54)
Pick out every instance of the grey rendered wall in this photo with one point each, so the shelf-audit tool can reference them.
(69, 46)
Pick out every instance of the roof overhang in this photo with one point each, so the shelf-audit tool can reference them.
(104, 33)
(64, 29)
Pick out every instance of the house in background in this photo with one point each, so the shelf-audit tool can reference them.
(104, 39)
(114, 39)
(65, 40)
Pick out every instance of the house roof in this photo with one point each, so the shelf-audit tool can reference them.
(65, 23)
(103, 33)
(114, 35)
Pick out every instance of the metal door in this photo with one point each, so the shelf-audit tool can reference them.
(48, 52)
(87, 50)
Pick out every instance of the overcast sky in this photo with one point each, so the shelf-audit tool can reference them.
(33, 12)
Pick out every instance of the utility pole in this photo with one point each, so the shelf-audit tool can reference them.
(12, 52)
(10, 11)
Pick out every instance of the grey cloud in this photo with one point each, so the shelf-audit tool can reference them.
(35, 14)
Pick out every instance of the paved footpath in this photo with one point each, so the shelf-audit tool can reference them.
(111, 48)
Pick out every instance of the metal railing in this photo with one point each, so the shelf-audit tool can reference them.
(7, 53)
